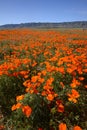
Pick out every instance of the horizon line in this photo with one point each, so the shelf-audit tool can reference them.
(43, 22)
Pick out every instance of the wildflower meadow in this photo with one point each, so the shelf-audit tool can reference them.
(43, 79)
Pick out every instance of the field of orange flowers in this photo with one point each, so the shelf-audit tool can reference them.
(43, 79)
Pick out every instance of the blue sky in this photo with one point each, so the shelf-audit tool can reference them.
(22, 11)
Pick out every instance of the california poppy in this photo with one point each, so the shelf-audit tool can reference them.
(62, 126)
(77, 128)
(27, 110)
(73, 96)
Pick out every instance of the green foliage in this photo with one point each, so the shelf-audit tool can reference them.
(10, 87)
(40, 116)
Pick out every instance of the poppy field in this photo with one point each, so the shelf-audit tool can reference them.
(43, 79)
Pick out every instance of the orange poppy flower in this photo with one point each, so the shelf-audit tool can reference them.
(19, 97)
(62, 126)
(27, 110)
(85, 86)
(2, 127)
(60, 108)
(74, 83)
(50, 97)
(17, 106)
(50, 80)
(34, 79)
(40, 129)
(13, 107)
(81, 78)
(44, 72)
(77, 128)
(73, 96)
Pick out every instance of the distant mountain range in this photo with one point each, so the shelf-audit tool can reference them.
(76, 24)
